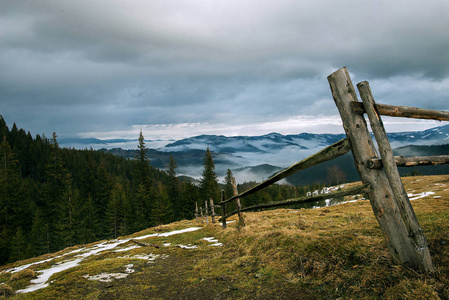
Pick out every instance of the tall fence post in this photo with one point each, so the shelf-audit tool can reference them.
(202, 216)
(223, 210)
(237, 202)
(382, 199)
(415, 233)
(196, 211)
(206, 212)
(212, 210)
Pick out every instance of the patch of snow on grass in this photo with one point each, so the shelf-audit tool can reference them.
(126, 249)
(149, 257)
(210, 239)
(41, 281)
(214, 241)
(188, 246)
(108, 277)
(422, 195)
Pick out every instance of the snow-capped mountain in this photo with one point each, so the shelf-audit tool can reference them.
(283, 150)
(243, 154)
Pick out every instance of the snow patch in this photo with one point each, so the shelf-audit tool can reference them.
(150, 257)
(108, 277)
(214, 241)
(422, 195)
(188, 246)
(42, 279)
(127, 249)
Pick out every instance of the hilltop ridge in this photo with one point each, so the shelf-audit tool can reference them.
(332, 252)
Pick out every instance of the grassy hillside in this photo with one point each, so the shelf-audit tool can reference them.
(327, 253)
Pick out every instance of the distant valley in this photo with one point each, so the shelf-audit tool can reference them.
(254, 158)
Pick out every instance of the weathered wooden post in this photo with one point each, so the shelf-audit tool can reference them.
(406, 211)
(206, 212)
(223, 210)
(237, 202)
(196, 211)
(202, 216)
(382, 199)
(212, 210)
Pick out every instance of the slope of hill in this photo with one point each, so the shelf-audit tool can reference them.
(328, 253)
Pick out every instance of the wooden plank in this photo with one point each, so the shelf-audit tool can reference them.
(223, 210)
(376, 163)
(421, 160)
(206, 212)
(212, 209)
(420, 257)
(333, 151)
(403, 111)
(381, 196)
(360, 189)
(237, 202)
(196, 211)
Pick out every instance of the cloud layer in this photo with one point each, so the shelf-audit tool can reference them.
(82, 67)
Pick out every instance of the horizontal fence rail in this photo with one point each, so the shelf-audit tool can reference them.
(360, 189)
(403, 111)
(380, 177)
(376, 163)
(333, 151)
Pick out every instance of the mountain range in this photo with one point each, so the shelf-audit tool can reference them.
(254, 158)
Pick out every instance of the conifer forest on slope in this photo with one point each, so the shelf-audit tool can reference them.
(52, 197)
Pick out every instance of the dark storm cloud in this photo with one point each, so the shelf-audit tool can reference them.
(91, 66)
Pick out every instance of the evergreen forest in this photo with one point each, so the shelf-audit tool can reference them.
(52, 198)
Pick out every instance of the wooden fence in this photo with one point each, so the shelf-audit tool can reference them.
(379, 174)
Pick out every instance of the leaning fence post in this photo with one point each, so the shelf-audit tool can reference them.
(415, 233)
(237, 202)
(206, 212)
(385, 208)
(212, 210)
(223, 210)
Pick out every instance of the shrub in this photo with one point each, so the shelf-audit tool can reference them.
(27, 273)
(5, 289)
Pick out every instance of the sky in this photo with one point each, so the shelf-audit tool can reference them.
(175, 69)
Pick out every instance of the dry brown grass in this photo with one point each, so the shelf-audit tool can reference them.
(341, 247)
(27, 273)
(327, 253)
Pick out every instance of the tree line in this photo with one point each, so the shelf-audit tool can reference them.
(52, 197)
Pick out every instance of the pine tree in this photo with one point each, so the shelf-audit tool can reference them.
(115, 209)
(66, 223)
(102, 196)
(38, 234)
(162, 211)
(209, 183)
(9, 184)
(189, 195)
(10, 204)
(173, 189)
(55, 189)
(19, 246)
(143, 185)
(229, 190)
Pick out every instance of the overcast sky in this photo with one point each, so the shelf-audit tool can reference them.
(175, 69)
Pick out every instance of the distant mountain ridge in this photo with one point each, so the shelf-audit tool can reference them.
(249, 156)
(303, 141)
